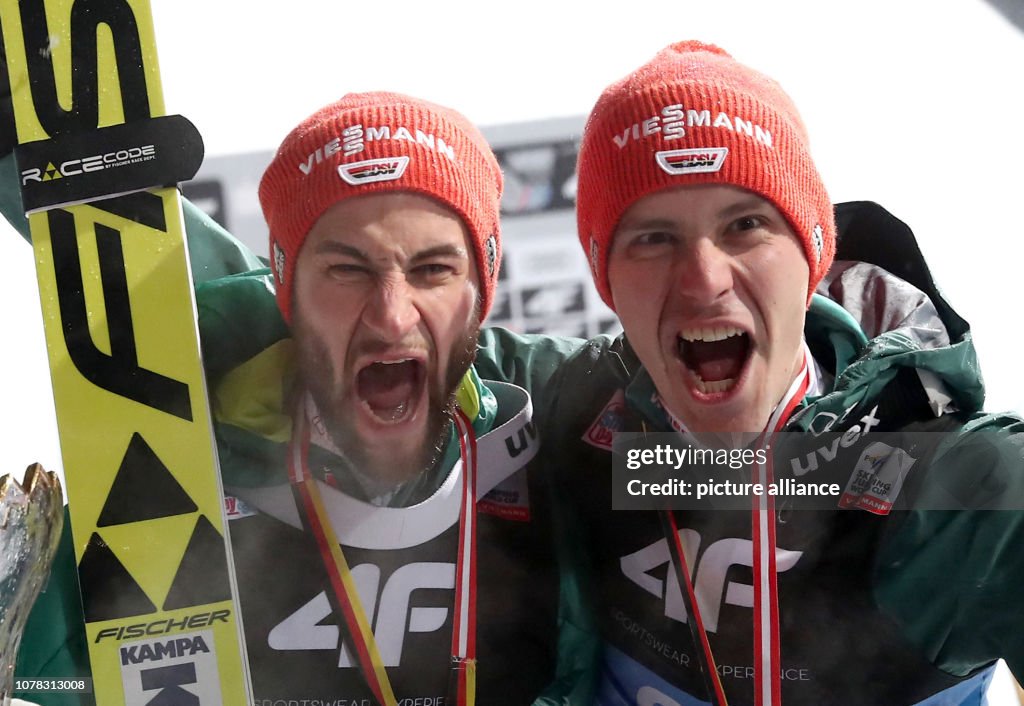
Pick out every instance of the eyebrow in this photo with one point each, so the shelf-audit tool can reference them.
(736, 208)
(331, 246)
(440, 251)
(447, 250)
(648, 224)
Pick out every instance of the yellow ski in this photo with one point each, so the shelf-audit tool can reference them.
(143, 486)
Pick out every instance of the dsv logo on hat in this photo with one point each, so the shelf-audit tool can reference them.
(692, 161)
(371, 170)
(389, 610)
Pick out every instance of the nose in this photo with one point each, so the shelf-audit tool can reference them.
(704, 272)
(391, 313)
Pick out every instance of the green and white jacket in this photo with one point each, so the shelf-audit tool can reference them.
(535, 642)
(907, 600)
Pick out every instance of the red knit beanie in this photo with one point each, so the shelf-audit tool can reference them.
(371, 143)
(694, 115)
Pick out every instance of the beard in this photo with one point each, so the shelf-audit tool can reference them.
(335, 400)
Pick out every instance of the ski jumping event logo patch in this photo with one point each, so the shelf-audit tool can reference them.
(509, 500)
(877, 479)
(692, 161)
(371, 170)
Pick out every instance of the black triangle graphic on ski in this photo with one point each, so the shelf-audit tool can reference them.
(108, 591)
(143, 489)
(169, 680)
(203, 573)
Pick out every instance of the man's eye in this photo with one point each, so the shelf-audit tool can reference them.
(654, 238)
(433, 270)
(748, 223)
(345, 269)
(644, 245)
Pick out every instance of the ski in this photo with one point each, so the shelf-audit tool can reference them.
(98, 162)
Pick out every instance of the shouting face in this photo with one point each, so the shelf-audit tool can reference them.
(710, 284)
(385, 320)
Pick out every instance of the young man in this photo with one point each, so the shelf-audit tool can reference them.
(710, 233)
(356, 399)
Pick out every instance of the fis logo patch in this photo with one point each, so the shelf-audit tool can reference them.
(611, 419)
(371, 170)
(173, 670)
(877, 479)
(691, 161)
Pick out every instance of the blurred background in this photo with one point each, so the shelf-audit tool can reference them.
(916, 105)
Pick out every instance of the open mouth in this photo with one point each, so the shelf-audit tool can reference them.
(715, 355)
(390, 389)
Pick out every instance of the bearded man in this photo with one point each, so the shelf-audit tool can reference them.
(390, 541)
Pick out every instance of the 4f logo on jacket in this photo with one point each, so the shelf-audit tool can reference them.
(710, 574)
(388, 609)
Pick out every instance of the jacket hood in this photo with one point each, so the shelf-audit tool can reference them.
(879, 310)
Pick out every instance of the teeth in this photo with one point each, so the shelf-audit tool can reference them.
(714, 385)
(710, 333)
(393, 362)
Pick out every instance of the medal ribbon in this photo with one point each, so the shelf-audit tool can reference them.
(462, 678)
(767, 639)
(767, 650)
(681, 566)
